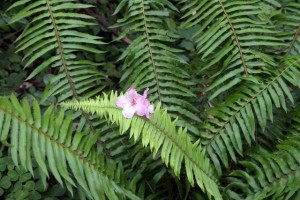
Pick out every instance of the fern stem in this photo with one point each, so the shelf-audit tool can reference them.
(164, 133)
(63, 60)
(293, 41)
(178, 146)
(250, 100)
(80, 156)
(44, 133)
(235, 38)
(284, 176)
(72, 86)
(151, 52)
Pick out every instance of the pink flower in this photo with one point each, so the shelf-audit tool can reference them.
(133, 102)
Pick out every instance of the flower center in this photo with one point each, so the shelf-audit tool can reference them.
(133, 102)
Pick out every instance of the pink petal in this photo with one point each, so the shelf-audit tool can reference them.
(142, 100)
(140, 109)
(148, 115)
(122, 101)
(151, 109)
(133, 103)
(131, 93)
(145, 93)
(141, 106)
(128, 111)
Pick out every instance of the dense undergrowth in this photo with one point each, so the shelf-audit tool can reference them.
(223, 76)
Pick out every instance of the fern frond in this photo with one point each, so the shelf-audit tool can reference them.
(52, 32)
(275, 131)
(152, 61)
(53, 37)
(138, 163)
(231, 35)
(50, 139)
(234, 121)
(268, 175)
(288, 21)
(161, 135)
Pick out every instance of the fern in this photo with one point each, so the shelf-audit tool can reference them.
(226, 71)
(288, 20)
(275, 131)
(234, 120)
(151, 61)
(61, 22)
(232, 35)
(268, 175)
(160, 134)
(49, 139)
(53, 31)
(53, 36)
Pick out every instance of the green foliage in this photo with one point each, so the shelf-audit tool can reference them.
(10, 175)
(234, 120)
(17, 183)
(223, 75)
(161, 135)
(11, 73)
(49, 138)
(234, 35)
(268, 174)
(53, 33)
(152, 60)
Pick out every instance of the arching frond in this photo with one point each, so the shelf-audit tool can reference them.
(53, 33)
(268, 175)
(161, 135)
(49, 138)
(152, 59)
(231, 38)
(234, 121)
(136, 160)
(53, 39)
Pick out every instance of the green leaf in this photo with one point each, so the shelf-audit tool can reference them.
(160, 134)
(5, 182)
(54, 152)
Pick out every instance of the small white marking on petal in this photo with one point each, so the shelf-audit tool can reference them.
(151, 109)
(128, 111)
(122, 101)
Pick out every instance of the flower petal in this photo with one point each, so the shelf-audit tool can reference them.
(141, 106)
(122, 101)
(133, 103)
(140, 109)
(131, 93)
(151, 109)
(128, 111)
(148, 116)
(145, 93)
